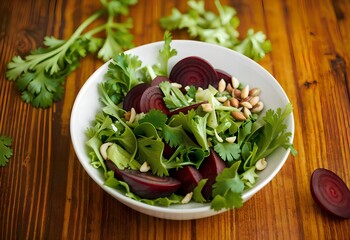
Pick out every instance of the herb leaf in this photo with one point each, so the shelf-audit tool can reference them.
(6, 151)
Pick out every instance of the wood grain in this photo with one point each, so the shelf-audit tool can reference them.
(46, 194)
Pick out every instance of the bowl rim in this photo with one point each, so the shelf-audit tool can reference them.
(161, 210)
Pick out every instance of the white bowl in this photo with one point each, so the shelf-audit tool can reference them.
(247, 71)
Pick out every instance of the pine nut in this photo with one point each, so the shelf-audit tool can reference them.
(254, 100)
(187, 198)
(246, 112)
(254, 92)
(231, 139)
(236, 93)
(207, 107)
(176, 85)
(234, 102)
(246, 105)
(229, 88)
(221, 99)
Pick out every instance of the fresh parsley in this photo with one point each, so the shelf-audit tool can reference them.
(6, 151)
(220, 29)
(41, 75)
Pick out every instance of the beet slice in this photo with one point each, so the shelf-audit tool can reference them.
(159, 79)
(330, 192)
(152, 98)
(224, 75)
(185, 109)
(145, 185)
(132, 98)
(194, 71)
(210, 169)
(189, 178)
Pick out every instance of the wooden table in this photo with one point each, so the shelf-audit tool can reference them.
(46, 194)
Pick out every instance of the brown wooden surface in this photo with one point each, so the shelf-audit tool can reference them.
(46, 194)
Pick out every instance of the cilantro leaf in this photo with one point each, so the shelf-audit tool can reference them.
(5, 150)
(218, 28)
(161, 68)
(228, 188)
(228, 151)
(40, 76)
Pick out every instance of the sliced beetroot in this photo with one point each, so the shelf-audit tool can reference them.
(194, 71)
(330, 192)
(185, 109)
(145, 185)
(210, 169)
(189, 178)
(224, 75)
(132, 98)
(159, 79)
(152, 98)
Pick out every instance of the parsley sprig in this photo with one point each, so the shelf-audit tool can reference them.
(40, 76)
(220, 29)
(6, 151)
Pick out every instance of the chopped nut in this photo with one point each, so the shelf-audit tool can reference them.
(207, 107)
(103, 149)
(245, 92)
(187, 198)
(132, 115)
(176, 85)
(145, 167)
(231, 139)
(221, 99)
(221, 85)
(261, 164)
(238, 116)
(127, 115)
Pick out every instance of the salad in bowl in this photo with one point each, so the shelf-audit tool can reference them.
(182, 129)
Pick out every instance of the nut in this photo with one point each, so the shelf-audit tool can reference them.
(221, 85)
(229, 88)
(234, 102)
(221, 99)
(132, 115)
(245, 92)
(236, 93)
(176, 85)
(239, 116)
(227, 103)
(254, 100)
(218, 137)
(231, 139)
(103, 149)
(246, 112)
(207, 107)
(254, 92)
(261, 164)
(187, 198)
(246, 105)
(258, 107)
(235, 82)
(145, 167)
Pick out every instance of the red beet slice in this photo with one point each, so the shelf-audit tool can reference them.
(210, 169)
(194, 71)
(185, 109)
(132, 98)
(152, 98)
(145, 185)
(330, 192)
(224, 75)
(159, 79)
(189, 178)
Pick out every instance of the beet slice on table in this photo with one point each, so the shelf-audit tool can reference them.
(330, 192)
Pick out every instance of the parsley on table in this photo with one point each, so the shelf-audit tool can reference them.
(220, 29)
(40, 76)
(5, 150)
